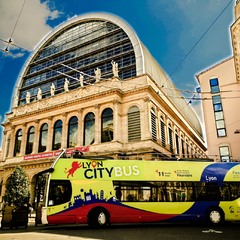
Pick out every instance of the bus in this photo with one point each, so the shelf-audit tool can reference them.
(100, 192)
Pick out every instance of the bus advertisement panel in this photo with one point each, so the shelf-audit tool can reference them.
(100, 192)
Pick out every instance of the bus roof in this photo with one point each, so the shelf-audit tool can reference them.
(138, 170)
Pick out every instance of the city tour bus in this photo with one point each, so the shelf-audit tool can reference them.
(99, 192)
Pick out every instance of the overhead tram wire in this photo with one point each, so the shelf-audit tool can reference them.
(187, 91)
(201, 37)
(93, 77)
(14, 28)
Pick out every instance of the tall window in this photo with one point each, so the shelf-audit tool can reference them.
(72, 132)
(177, 142)
(214, 86)
(218, 113)
(57, 135)
(163, 135)
(42, 146)
(153, 125)
(107, 125)
(187, 148)
(170, 136)
(224, 153)
(134, 124)
(183, 147)
(18, 142)
(89, 129)
(30, 140)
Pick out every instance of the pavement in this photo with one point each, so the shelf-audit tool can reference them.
(33, 232)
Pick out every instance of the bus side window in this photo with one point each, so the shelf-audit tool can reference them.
(60, 192)
(118, 193)
(234, 190)
(225, 192)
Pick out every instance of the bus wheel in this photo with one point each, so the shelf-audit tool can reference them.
(98, 218)
(215, 216)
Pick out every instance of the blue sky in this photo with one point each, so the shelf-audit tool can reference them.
(168, 28)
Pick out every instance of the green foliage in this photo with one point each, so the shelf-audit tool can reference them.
(17, 188)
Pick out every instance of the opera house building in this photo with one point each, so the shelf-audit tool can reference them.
(92, 86)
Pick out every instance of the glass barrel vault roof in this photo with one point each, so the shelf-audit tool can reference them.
(88, 42)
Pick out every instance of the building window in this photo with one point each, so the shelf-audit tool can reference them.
(89, 129)
(30, 140)
(183, 147)
(43, 138)
(18, 142)
(218, 113)
(72, 132)
(153, 125)
(57, 135)
(187, 149)
(177, 142)
(163, 135)
(134, 124)
(107, 125)
(214, 86)
(224, 154)
(170, 136)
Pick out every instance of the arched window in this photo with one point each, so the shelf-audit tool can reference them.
(89, 129)
(153, 125)
(163, 134)
(72, 132)
(30, 140)
(170, 137)
(42, 146)
(134, 124)
(57, 135)
(18, 142)
(107, 125)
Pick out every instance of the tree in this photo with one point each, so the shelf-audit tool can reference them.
(17, 188)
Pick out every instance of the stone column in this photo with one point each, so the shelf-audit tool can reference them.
(36, 137)
(50, 135)
(98, 121)
(80, 128)
(146, 120)
(64, 130)
(116, 121)
(24, 140)
(12, 142)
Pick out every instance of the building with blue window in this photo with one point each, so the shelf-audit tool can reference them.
(92, 85)
(221, 99)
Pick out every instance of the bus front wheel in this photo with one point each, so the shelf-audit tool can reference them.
(98, 218)
(215, 216)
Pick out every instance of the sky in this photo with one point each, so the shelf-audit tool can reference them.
(184, 36)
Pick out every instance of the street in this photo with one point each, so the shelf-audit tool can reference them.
(163, 231)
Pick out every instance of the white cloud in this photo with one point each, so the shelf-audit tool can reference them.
(31, 26)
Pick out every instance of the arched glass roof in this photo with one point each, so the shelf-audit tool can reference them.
(83, 44)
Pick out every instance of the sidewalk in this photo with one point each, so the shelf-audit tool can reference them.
(31, 219)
